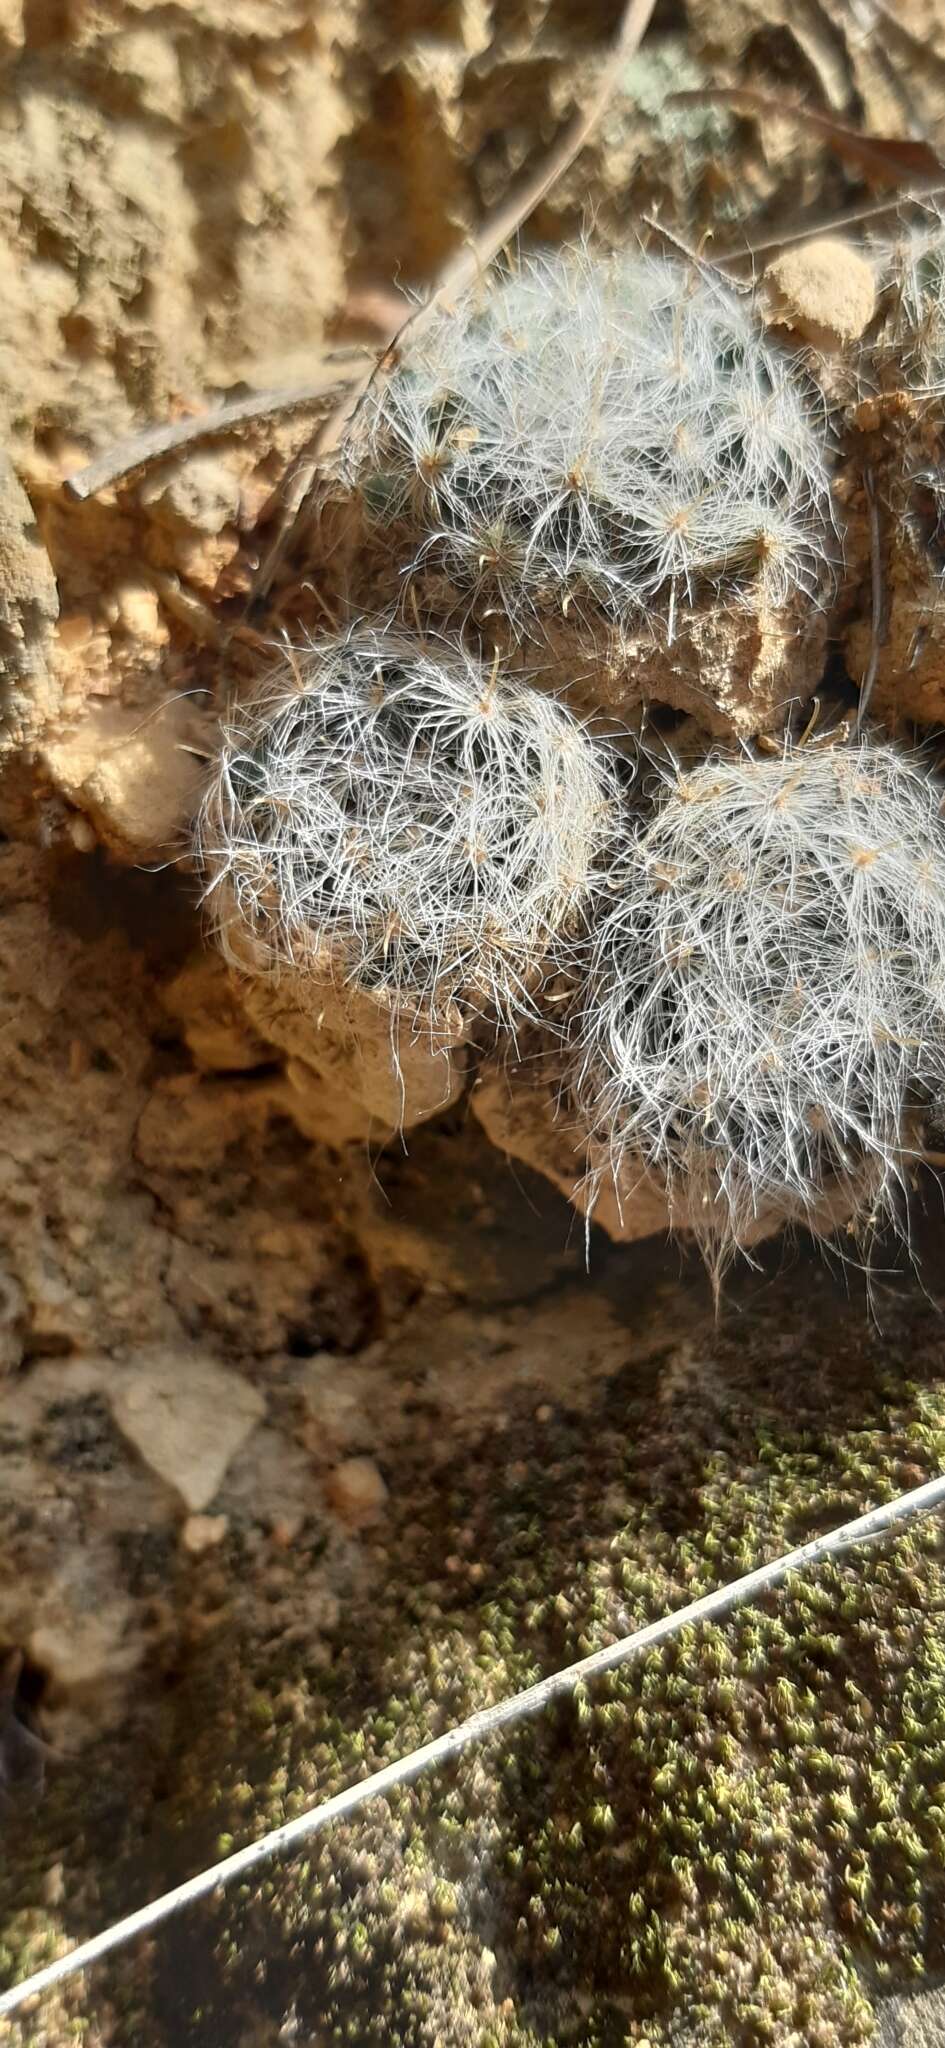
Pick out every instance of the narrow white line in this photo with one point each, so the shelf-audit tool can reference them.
(476, 1729)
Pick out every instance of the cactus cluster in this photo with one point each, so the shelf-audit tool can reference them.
(752, 950)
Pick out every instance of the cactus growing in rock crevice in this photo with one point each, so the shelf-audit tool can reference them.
(406, 820)
(767, 993)
(607, 431)
(602, 446)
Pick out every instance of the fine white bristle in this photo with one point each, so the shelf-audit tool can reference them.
(613, 428)
(767, 993)
(407, 818)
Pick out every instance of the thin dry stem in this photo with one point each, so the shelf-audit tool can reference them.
(138, 450)
(461, 270)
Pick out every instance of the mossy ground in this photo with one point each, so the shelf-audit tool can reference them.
(739, 1840)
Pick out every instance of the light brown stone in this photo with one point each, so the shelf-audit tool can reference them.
(139, 613)
(517, 1111)
(357, 1068)
(131, 772)
(824, 292)
(202, 1000)
(203, 1532)
(186, 1416)
(736, 669)
(196, 491)
(357, 1492)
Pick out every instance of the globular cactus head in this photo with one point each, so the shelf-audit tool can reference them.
(401, 817)
(607, 430)
(767, 993)
(912, 333)
(909, 354)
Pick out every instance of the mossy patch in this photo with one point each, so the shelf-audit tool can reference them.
(739, 1840)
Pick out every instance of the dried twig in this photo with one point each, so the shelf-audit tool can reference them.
(725, 1600)
(826, 224)
(153, 442)
(706, 266)
(878, 601)
(460, 271)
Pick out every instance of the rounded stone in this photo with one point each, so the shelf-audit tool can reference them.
(824, 292)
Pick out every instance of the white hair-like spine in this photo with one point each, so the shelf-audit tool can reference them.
(614, 428)
(407, 819)
(766, 995)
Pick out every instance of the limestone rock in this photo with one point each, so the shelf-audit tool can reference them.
(187, 1416)
(195, 491)
(735, 670)
(202, 1000)
(131, 772)
(357, 1491)
(357, 1068)
(203, 1532)
(518, 1112)
(823, 292)
(79, 1650)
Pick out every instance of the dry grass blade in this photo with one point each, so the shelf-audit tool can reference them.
(154, 442)
(460, 271)
(791, 236)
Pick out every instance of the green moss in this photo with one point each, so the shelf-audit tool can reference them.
(739, 1839)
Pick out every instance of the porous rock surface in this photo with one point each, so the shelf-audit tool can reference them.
(357, 1067)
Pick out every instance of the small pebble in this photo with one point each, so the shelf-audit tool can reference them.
(202, 1532)
(81, 833)
(356, 1491)
(823, 291)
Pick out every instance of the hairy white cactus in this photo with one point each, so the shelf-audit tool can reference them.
(608, 428)
(767, 994)
(407, 820)
(910, 352)
(913, 332)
